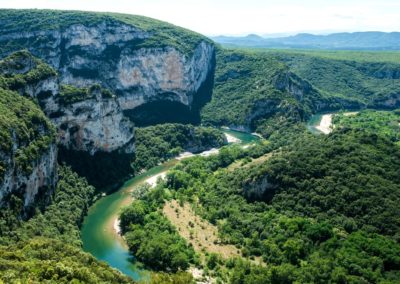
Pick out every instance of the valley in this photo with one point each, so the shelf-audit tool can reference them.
(99, 235)
(136, 151)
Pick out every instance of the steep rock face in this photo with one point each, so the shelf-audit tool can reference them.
(115, 55)
(92, 124)
(28, 151)
(298, 97)
(390, 102)
(146, 75)
(259, 189)
(40, 181)
(87, 119)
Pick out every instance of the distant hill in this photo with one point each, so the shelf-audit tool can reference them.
(357, 40)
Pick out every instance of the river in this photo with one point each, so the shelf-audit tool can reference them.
(322, 122)
(98, 234)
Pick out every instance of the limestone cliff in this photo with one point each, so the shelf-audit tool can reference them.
(28, 151)
(139, 64)
(95, 75)
(87, 119)
(92, 123)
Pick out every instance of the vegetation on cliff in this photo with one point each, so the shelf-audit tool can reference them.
(20, 70)
(70, 94)
(160, 34)
(245, 90)
(254, 86)
(60, 220)
(47, 247)
(24, 125)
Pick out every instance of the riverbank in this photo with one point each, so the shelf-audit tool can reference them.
(100, 232)
(325, 125)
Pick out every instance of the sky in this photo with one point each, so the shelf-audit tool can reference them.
(241, 17)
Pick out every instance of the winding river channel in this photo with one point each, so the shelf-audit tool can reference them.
(98, 232)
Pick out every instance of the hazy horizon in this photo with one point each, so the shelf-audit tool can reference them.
(239, 18)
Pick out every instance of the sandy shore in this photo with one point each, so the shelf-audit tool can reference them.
(185, 155)
(350, 113)
(117, 226)
(325, 125)
(212, 151)
(232, 139)
(152, 181)
(207, 153)
(257, 134)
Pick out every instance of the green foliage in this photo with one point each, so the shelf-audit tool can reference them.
(246, 83)
(155, 144)
(46, 248)
(326, 211)
(60, 220)
(21, 69)
(172, 278)
(383, 123)
(349, 176)
(70, 94)
(361, 83)
(41, 260)
(152, 238)
(22, 123)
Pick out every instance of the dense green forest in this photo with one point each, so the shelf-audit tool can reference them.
(21, 120)
(328, 211)
(295, 207)
(152, 238)
(252, 85)
(47, 247)
(384, 123)
(155, 144)
(245, 89)
(363, 83)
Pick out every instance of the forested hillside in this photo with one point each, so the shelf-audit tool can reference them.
(92, 105)
(384, 123)
(47, 247)
(323, 209)
(251, 86)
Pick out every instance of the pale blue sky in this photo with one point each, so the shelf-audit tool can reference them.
(234, 17)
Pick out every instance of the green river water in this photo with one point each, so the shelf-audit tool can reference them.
(98, 235)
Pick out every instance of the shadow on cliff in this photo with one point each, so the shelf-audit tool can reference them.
(171, 111)
(105, 171)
